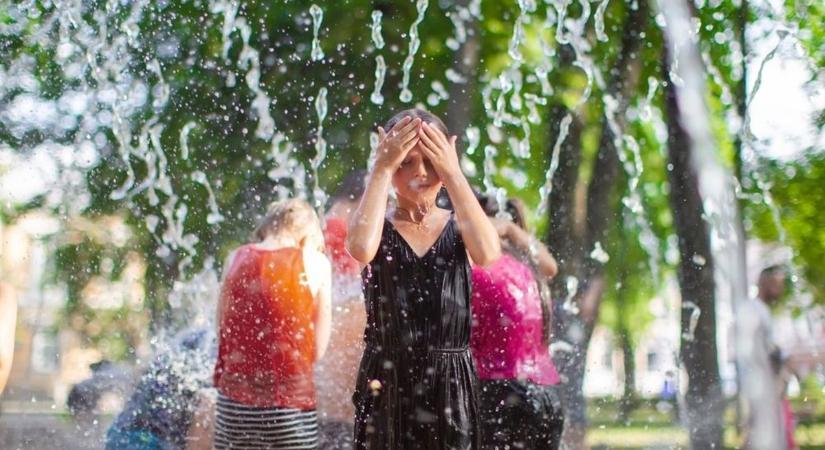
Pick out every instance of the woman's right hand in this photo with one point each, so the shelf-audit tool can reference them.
(394, 145)
(367, 222)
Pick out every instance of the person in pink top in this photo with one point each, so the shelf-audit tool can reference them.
(510, 340)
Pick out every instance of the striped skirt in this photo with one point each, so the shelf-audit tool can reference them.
(238, 426)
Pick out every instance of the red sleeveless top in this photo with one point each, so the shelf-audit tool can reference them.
(266, 348)
(335, 238)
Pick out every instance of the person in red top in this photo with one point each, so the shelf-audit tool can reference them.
(274, 324)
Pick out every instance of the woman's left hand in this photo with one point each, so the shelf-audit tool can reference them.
(440, 151)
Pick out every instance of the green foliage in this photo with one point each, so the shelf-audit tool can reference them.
(88, 260)
(809, 405)
(809, 17)
(797, 190)
(172, 67)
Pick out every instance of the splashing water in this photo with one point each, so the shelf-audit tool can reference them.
(285, 166)
(717, 190)
(214, 215)
(415, 42)
(380, 64)
(320, 146)
(377, 38)
(547, 189)
(184, 139)
(599, 19)
(473, 138)
(250, 57)
(750, 160)
(458, 17)
(518, 36)
(599, 254)
(490, 168)
(646, 110)
(631, 160)
(380, 73)
(561, 13)
(695, 313)
(317, 18)
(572, 287)
(438, 95)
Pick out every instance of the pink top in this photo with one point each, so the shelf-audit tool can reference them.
(506, 340)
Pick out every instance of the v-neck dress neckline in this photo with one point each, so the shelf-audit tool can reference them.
(431, 247)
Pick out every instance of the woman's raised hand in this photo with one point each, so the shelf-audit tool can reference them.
(394, 145)
(440, 151)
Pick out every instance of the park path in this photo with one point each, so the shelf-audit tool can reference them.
(50, 431)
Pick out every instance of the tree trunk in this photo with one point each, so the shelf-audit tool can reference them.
(562, 238)
(741, 91)
(741, 95)
(704, 401)
(628, 401)
(576, 327)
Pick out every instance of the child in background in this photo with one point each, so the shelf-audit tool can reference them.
(416, 385)
(274, 324)
(8, 323)
(511, 339)
(159, 414)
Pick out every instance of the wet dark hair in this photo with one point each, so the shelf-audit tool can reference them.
(418, 113)
(350, 189)
(513, 206)
(774, 270)
(288, 215)
(770, 270)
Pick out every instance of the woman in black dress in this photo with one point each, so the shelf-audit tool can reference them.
(416, 387)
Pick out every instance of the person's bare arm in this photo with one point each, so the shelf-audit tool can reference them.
(202, 426)
(8, 323)
(320, 279)
(367, 221)
(221, 306)
(544, 262)
(479, 234)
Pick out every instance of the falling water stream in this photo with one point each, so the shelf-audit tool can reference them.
(717, 188)
(415, 42)
(380, 65)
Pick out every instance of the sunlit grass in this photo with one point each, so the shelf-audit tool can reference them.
(649, 426)
(636, 437)
(810, 437)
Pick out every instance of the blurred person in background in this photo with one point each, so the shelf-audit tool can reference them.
(274, 317)
(8, 322)
(335, 373)
(512, 323)
(162, 411)
(771, 290)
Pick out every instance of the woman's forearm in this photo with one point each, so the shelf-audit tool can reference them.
(8, 322)
(367, 221)
(479, 234)
(323, 322)
(527, 244)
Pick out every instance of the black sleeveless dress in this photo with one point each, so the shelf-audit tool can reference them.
(417, 386)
